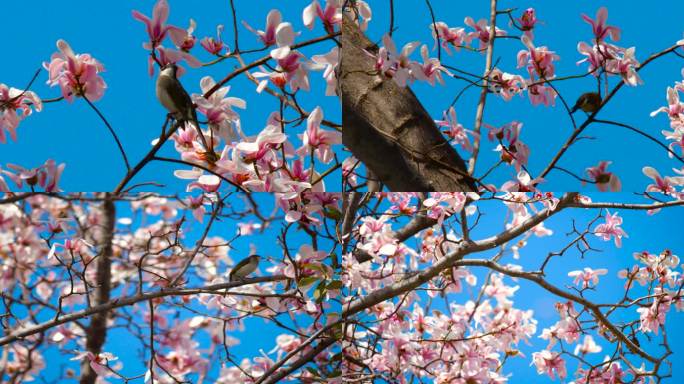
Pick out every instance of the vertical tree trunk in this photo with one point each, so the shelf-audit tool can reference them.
(97, 330)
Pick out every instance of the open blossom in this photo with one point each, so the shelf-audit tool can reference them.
(329, 63)
(549, 362)
(541, 94)
(674, 109)
(290, 71)
(97, 362)
(156, 27)
(76, 75)
(213, 45)
(454, 129)
(430, 70)
(15, 105)
(611, 228)
(330, 15)
(523, 183)
(183, 39)
(396, 64)
(588, 346)
(46, 176)
(513, 150)
(268, 36)
(317, 140)
(599, 26)
(266, 141)
(604, 180)
(218, 109)
(653, 317)
(505, 84)
(482, 31)
(539, 60)
(455, 36)
(588, 276)
(664, 185)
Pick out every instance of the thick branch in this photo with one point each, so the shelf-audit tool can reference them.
(387, 128)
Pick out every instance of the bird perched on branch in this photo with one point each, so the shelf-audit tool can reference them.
(176, 100)
(589, 102)
(244, 268)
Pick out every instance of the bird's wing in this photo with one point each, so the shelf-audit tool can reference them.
(174, 97)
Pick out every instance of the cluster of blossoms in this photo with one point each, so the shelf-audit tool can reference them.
(604, 57)
(675, 137)
(658, 274)
(267, 161)
(181, 347)
(15, 105)
(46, 176)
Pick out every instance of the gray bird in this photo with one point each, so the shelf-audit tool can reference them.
(176, 100)
(244, 268)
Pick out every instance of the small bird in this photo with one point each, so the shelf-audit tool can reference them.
(589, 102)
(176, 100)
(244, 268)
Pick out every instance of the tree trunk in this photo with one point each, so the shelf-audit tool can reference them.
(387, 128)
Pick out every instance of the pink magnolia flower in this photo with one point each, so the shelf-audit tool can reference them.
(207, 183)
(626, 67)
(156, 27)
(46, 176)
(611, 228)
(75, 74)
(523, 183)
(539, 60)
(97, 362)
(505, 84)
(541, 94)
(654, 316)
(455, 130)
(265, 142)
(290, 71)
(549, 362)
(398, 63)
(527, 21)
(196, 203)
(587, 276)
(482, 31)
(15, 105)
(318, 140)
(170, 55)
(328, 62)
(588, 346)
(455, 37)
(599, 26)
(268, 37)
(604, 180)
(183, 39)
(330, 15)
(218, 109)
(213, 45)
(664, 185)
(675, 108)
(431, 69)
(513, 150)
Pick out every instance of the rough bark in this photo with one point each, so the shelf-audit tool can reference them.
(96, 333)
(386, 127)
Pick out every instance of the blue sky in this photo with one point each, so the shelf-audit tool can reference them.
(72, 133)
(647, 26)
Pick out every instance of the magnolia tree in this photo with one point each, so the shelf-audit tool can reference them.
(507, 57)
(358, 288)
(292, 151)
